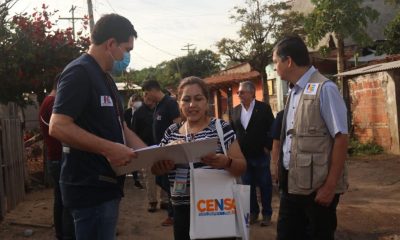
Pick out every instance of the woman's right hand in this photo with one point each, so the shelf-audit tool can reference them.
(162, 167)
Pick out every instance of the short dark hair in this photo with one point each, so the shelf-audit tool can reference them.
(295, 48)
(192, 80)
(112, 26)
(151, 84)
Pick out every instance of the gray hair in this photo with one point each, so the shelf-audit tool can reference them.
(249, 86)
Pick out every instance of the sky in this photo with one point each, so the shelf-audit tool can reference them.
(164, 26)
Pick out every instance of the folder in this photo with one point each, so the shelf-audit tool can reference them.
(182, 153)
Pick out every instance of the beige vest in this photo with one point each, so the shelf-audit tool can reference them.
(311, 144)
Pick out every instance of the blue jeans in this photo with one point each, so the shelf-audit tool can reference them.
(98, 222)
(63, 221)
(258, 173)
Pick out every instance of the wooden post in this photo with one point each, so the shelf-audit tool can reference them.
(12, 161)
(2, 192)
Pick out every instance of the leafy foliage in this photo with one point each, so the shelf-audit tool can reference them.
(202, 64)
(394, 2)
(33, 53)
(392, 34)
(368, 148)
(262, 24)
(342, 17)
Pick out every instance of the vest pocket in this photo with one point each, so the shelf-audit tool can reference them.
(303, 171)
(312, 143)
(320, 169)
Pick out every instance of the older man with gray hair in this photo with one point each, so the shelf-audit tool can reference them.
(252, 121)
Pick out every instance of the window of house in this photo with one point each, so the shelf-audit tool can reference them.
(271, 87)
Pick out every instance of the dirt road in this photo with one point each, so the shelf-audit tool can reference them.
(370, 210)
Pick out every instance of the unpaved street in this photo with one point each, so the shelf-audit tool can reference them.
(370, 210)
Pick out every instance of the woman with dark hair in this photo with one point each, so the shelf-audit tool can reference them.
(193, 102)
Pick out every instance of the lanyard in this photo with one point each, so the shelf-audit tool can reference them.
(116, 104)
(192, 135)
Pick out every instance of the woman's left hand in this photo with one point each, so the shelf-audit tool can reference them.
(215, 160)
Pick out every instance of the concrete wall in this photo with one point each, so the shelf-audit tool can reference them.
(374, 109)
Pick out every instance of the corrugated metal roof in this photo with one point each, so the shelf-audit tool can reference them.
(372, 68)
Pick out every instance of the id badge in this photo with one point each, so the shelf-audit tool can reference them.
(180, 180)
(179, 186)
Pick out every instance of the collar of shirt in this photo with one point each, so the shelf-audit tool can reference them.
(251, 107)
(246, 114)
(302, 82)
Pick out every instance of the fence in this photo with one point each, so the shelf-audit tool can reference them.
(12, 161)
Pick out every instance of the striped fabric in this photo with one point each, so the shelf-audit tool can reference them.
(181, 171)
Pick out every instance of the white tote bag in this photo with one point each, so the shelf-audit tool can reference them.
(241, 194)
(219, 207)
(212, 204)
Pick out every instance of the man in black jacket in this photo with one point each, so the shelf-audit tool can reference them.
(252, 121)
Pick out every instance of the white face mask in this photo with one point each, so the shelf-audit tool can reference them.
(137, 104)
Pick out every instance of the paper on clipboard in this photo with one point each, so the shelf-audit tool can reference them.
(179, 153)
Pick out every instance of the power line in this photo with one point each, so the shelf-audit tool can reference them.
(109, 4)
(159, 49)
(143, 58)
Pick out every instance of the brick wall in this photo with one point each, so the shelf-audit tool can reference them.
(371, 110)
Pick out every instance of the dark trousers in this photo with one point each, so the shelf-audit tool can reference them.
(301, 218)
(163, 182)
(63, 221)
(135, 176)
(182, 223)
(258, 173)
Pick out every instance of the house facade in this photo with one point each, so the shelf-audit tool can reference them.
(374, 103)
(224, 86)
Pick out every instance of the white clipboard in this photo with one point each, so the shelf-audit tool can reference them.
(183, 153)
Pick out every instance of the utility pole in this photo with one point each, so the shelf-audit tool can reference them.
(90, 11)
(188, 49)
(73, 19)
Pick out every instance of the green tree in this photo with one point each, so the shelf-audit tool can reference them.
(262, 23)
(33, 52)
(394, 2)
(343, 19)
(392, 34)
(202, 64)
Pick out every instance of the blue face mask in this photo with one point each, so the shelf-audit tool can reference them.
(121, 65)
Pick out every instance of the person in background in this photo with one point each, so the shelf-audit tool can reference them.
(63, 221)
(142, 125)
(252, 121)
(165, 113)
(88, 119)
(198, 125)
(314, 137)
(134, 103)
(276, 143)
